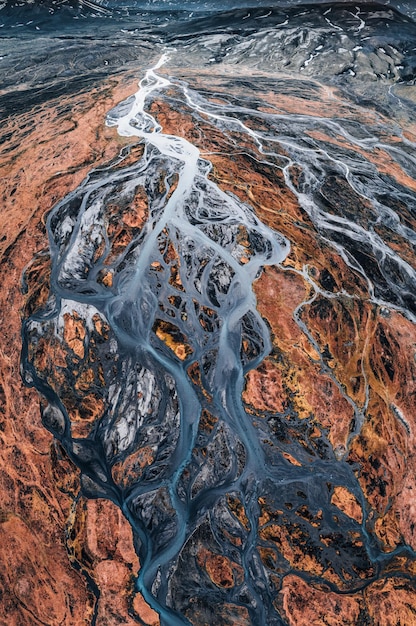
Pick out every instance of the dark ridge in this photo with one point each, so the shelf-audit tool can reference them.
(247, 20)
(49, 16)
(199, 16)
(217, 6)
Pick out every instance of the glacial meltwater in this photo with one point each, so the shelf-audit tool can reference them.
(225, 346)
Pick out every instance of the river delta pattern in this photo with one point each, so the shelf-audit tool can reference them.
(222, 328)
